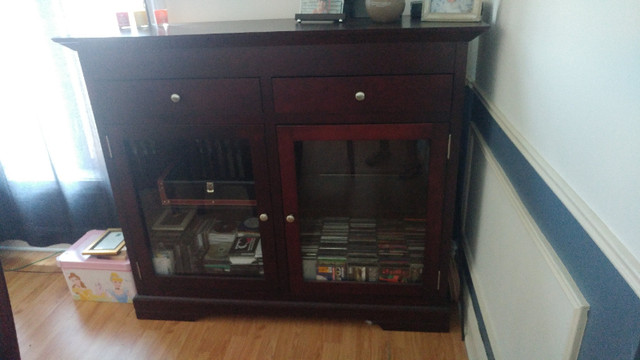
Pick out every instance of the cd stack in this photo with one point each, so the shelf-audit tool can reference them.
(332, 252)
(362, 250)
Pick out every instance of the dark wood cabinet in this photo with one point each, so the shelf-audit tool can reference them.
(269, 167)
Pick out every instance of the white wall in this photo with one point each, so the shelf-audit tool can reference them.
(224, 10)
(181, 11)
(565, 76)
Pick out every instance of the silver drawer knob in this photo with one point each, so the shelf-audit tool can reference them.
(290, 218)
(175, 98)
(264, 217)
(360, 96)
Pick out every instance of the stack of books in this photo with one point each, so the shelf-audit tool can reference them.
(245, 254)
(193, 247)
(220, 237)
(206, 244)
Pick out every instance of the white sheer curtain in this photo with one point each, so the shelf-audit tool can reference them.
(53, 183)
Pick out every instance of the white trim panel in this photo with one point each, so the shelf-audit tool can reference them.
(627, 265)
(531, 306)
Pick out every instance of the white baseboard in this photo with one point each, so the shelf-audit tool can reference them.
(626, 263)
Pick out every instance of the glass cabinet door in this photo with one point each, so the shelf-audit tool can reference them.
(363, 203)
(196, 193)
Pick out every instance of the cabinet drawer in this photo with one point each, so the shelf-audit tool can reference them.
(410, 93)
(171, 99)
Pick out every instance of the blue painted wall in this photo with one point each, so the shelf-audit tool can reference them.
(613, 325)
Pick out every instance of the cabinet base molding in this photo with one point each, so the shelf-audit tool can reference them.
(402, 318)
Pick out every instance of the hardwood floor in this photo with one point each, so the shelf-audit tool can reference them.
(50, 325)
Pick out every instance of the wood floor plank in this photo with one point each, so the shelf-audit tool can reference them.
(51, 325)
(42, 261)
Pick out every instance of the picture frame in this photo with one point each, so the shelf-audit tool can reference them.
(174, 219)
(110, 243)
(321, 10)
(452, 10)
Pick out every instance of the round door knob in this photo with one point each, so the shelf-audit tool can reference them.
(360, 96)
(175, 98)
(290, 218)
(264, 217)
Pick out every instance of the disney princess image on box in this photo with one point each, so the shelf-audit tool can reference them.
(107, 287)
(118, 293)
(82, 292)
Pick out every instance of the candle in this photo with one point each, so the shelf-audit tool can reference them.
(123, 20)
(141, 18)
(162, 17)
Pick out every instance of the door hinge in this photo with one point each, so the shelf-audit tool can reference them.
(106, 138)
(439, 273)
(449, 148)
(139, 272)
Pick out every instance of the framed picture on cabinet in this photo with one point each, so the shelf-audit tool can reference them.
(321, 10)
(451, 10)
(109, 243)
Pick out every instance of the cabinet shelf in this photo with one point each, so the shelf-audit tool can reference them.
(213, 178)
(192, 202)
(207, 193)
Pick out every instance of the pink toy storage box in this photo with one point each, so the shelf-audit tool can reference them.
(96, 279)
